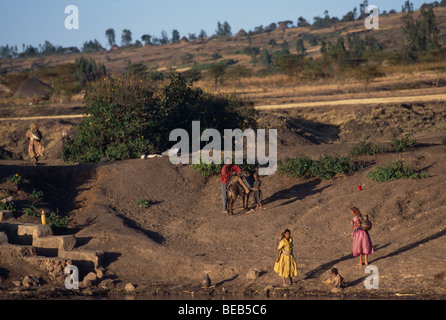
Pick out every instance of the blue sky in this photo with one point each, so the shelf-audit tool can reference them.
(35, 21)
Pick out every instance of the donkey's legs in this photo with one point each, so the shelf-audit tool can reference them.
(229, 202)
(247, 201)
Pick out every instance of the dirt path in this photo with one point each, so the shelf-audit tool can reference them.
(66, 116)
(330, 103)
(368, 101)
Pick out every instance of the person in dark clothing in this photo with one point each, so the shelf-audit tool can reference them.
(257, 192)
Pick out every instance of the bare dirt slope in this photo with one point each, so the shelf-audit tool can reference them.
(183, 234)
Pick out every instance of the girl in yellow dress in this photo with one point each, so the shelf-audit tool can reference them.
(286, 265)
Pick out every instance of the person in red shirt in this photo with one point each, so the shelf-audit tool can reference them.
(227, 172)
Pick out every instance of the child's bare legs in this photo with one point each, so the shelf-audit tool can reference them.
(284, 282)
(366, 260)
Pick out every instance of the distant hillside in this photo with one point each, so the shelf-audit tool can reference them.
(186, 53)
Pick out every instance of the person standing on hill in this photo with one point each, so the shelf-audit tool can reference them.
(35, 147)
(257, 192)
(280, 236)
(286, 265)
(362, 244)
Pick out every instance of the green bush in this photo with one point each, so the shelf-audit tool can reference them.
(366, 148)
(7, 206)
(238, 72)
(207, 169)
(329, 166)
(57, 221)
(17, 180)
(53, 218)
(210, 169)
(88, 70)
(64, 78)
(443, 140)
(394, 171)
(217, 71)
(120, 118)
(31, 211)
(193, 74)
(127, 117)
(37, 195)
(299, 167)
(143, 202)
(325, 168)
(7, 155)
(407, 142)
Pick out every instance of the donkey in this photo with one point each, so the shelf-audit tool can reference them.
(232, 192)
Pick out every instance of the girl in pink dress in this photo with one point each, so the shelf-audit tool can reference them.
(362, 244)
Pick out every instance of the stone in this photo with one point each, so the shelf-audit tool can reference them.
(35, 230)
(24, 233)
(107, 283)
(129, 287)
(58, 269)
(29, 281)
(440, 276)
(3, 238)
(49, 264)
(17, 283)
(268, 287)
(90, 280)
(206, 281)
(267, 290)
(96, 292)
(6, 200)
(16, 251)
(5, 215)
(336, 290)
(252, 275)
(91, 276)
(100, 273)
(66, 242)
(87, 283)
(94, 257)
